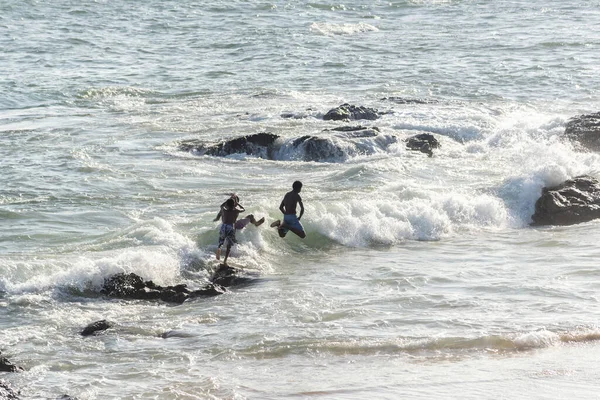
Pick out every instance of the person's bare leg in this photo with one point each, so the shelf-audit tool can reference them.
(226, 254)
(218, 255)
(300, 233)
(254, 221)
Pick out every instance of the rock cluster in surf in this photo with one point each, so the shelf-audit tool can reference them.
(133, 287)
(575, 200)
(333, 145)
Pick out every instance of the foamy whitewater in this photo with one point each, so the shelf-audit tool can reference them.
(420, 277)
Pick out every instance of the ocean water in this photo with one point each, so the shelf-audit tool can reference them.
(420, 277)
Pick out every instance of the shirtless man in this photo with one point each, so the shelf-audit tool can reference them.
(291, 222)
(228, 213)
(248, 219)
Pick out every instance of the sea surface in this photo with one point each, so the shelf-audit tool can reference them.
(420, 277)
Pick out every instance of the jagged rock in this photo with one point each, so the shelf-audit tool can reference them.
(346, 142)
(573, 201)
(228, 276)
(7, 366)
(350, 112)
(7, 392)
(585, 129)
(259, 144)
(132, 286)
(423, 142)
(213, 289)
(94, 327)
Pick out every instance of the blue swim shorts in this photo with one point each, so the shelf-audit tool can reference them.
(227, 234)
(291, 221)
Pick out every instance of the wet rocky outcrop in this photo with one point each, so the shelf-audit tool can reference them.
(348, 112)
(336, 145)
(7, 392)
(572, 202)
(423, 142)
(7, 366)
(258, 144)
(95, 327)
(228, 276)
(585, 130)
(133, 287)
(319, 149)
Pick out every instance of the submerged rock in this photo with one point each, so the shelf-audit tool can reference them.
(319, 149)
(572, 202)
(227, 276)
(94, 327)
(405, 100)
(133, 287)
(259, 144)
(7, 366)
(347, 141)
(7, 392)
(347, 112)
(585, 129)
(358, 131)
(424, 142)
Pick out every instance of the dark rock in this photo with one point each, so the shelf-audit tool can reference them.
(423, 142)
(212, 289)
(175, 334)
(7, 392)
(133, 287)
(319, 149)
(347, 112)
(572, 202)
(7, 366)
(94, 327)
(171, 295)
(228, 276)
(346, 142)
(259, 144)
(585, 129)
(404, 100)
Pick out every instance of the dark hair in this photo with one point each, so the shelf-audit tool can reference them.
(230, 203)
(297, 186)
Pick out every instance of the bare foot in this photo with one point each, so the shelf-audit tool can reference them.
(218, 255)
(276, 223)
(260, 222)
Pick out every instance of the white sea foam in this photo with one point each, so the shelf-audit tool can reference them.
(332, 29)
(538, 339)
(390, 220)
